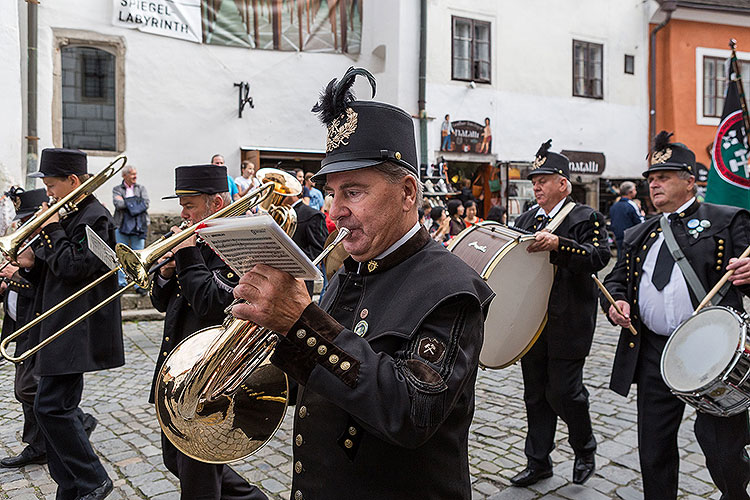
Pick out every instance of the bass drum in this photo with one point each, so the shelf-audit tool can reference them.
(522, 282)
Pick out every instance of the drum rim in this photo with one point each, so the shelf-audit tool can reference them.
(723, 375)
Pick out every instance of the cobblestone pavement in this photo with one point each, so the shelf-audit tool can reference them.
(127, 438)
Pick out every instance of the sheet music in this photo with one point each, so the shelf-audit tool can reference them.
(99, 248)
(243, 242)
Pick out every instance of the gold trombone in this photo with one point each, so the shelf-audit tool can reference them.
(135, 264)
(12, 244)
(218, 397)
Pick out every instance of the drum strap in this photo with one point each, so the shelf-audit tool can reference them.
(558, 219)
(687, 271)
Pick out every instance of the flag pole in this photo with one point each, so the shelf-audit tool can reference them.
(735, 65)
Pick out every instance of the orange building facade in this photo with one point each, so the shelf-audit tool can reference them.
(690, 69)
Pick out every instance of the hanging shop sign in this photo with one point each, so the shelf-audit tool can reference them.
(464, 136)
(585, 162)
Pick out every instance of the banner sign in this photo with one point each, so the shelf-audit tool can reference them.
(334, 26)
(585, 162)
(173, 18)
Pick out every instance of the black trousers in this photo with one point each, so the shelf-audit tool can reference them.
(202, 481)
(25, 386)
(722, 439)
(554, 388)
(72, 462)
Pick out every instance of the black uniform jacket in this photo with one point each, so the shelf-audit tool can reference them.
(311, 232)
(25, 293)
(193, 299)
(388, 364)
(571, 311)
(708, 255)
(63, 265)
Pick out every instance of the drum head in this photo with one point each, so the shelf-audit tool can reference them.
(701, 349)
(522, 282)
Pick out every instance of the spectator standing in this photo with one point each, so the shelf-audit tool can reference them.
(456, 213)
(246, 180)
(497, 214)
(300, 175)
(316, 196)
(470, 209)
(131, 215)
(625, 213)
(234, 193)
(330, 225)
(440, 225)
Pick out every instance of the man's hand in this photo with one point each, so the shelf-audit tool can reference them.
(167, 270)
(741, 268)
(190, 242)
(274, 299)
(25, 259)
(53, 218)
(544, 242)
(617, 318)
(8, 271)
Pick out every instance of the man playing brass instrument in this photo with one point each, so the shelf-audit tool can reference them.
(58, 264)
(193, 290)
(387, 364)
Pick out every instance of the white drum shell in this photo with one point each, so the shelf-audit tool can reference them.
(706, 362)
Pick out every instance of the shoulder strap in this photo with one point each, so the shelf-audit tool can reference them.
(687, 271)
(560, 217)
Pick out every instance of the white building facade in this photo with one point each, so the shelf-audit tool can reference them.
(175, 101)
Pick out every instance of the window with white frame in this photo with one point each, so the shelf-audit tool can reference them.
(711, 82)
(715, 83)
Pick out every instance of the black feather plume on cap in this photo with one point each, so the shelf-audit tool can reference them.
(338, 95)
(661, 141)
(544, 148)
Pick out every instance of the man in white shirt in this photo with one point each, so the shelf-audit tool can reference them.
(655, 298)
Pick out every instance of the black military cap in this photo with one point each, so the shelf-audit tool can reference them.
(27, 202)
(547, 162)
(363, 133)
(670, 155)
(199, 179)
(61, 163)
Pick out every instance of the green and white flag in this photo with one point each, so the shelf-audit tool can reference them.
(729, 178)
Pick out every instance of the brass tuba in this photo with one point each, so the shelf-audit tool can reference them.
(218, 397)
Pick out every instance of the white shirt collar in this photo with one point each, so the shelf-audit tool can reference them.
(296, 203)
(411, 232)
(682, 208)
(554, 210)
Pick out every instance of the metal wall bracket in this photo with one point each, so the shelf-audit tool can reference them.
(243, 97)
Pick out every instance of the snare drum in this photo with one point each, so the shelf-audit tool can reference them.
(521, 281)
(706, 362)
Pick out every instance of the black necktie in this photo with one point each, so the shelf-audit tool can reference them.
(663, 268)
(541, 221)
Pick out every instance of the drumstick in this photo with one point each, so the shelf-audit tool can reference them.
(612, 301)
(720, 284)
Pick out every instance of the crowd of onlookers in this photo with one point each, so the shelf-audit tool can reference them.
(444, 223)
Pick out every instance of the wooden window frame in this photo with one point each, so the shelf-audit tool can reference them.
(588, 79)
(472, 62)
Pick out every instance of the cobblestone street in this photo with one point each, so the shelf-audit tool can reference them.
(127, 438)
